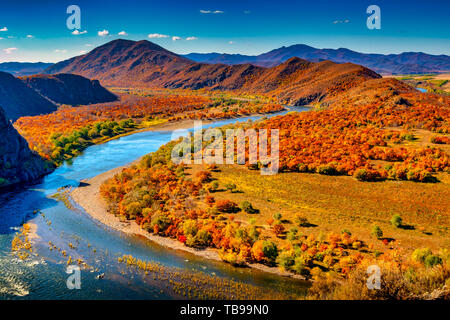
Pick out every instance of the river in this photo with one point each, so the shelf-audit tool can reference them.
(44, 276)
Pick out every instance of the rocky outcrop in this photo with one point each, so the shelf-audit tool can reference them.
(18, 164)
(69, 89)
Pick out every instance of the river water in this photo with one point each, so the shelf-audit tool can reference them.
(44, 276)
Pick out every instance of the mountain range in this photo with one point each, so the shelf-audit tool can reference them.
(403, 63)
(24, 68)
(144, 64)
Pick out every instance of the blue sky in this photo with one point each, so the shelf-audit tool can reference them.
(36, 30)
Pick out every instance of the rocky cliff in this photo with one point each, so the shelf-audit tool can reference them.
(17, 162)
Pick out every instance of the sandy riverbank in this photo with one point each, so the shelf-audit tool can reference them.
(87, 195)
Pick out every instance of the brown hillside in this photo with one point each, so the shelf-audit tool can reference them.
(144, 64)
(389, 91)
(300, 82)
(123, 62)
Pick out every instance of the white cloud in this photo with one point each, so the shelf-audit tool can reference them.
(88, 45)
(191, 38)
(83, 52)
(78, 32)
(4, 29)
(29, 36)
(103, 33)
(1, 38)
(341, 21)
(230, 42)
(60, 50)
(122, 33)
(9, 50)
(209, 11)
(175, 38)
(157, 35)
(11, 37)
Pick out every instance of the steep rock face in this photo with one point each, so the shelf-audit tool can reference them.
(19, 100)
(69, 89)
(17, 162)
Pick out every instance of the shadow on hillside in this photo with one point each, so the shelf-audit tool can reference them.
(308, 225)
(83, 184)
(407, 227)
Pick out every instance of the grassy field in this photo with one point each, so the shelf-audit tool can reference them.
(335, 203)
(438, 83)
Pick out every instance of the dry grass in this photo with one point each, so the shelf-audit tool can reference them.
(434, 81)
(334, 203)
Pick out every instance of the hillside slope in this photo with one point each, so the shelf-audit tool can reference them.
(123, 62)
(69, 89)
(299, 82)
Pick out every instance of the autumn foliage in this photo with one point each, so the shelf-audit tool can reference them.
(440, 140)
(163, 199)
(364, 141)
(45, 133)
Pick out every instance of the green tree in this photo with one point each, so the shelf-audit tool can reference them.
(377, 232)
(396, 221)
